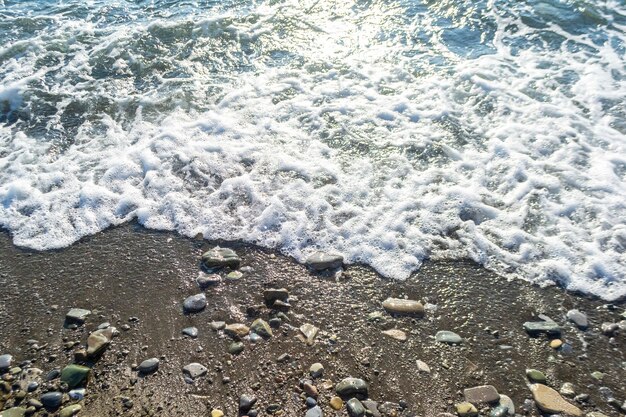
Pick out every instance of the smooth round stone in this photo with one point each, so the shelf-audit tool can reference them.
(550, 401)
(314, 412)
(236, 330)
(445, 336)
(236, 348)
(578, 318)
(506, 403)
(316, 370)
(262, 328)
(13, 412)
(556, 343)
(71, 410)
(217, 325)
(195, 370)
(352, 387)
(217, 413)
(535, 376)
(52, 400)
(310, 402)
(422, 366)
(466, 409)
(402, 306)
(32, 386)
(320, 261)
(5, 362)
(206, 281)
(104, 325)
(255, 338)
(191, 332)
(75, 375)
(53, 374)
(148, 366)
(355, 408)
(246, 403)
(336, 403)
(77, 394)
(234, 276)
(220, 258)
(194, 303)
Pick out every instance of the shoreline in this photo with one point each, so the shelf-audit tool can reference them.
(156, 270)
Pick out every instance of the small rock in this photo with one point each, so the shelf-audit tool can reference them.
(262, 328)
(206, 281)
(507, 404)
(597, 375)
(422, 367)
(270, 295)
(70, 410)
(609, 329)
(246, 403)
(52, 400)
(535, 376)
(5, 362)
(280, 305)
(481, 394)
(236, 348)
(395, 334)
(466, 409)
(320, 261)
(13, 412)
(550, 401)
(195, 370)
(401, 306)
(336, 403)
(191, 332)
(352, 387)
(445, 336)
(310, 402)
(310, 333)
(75, 375)
(316, 370)
(148, 366)
(77, 394)
(217, 325)
(77, 316)
(578, 318)
(98, 341)
(355, 408)
(220, 258)
(217, 413)
(567, 390)
(236, 330)
(371, 408)
(556, 343)
(194, 303)
(234, 276)
(314, 412)
(310, 390)
(535, 328)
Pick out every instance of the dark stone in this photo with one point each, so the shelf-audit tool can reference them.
(320, 261)
(52, 400)
(246, 402)
(220, 258)
(355, 408)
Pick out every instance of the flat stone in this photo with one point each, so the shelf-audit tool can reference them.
(5, 362)
(236, 348)
(206, 281)
(280, 305)
(506, 403)
(483, 394)
(262, 328)
(194, 303)
(234, 276)
(148, 366)
(217, 325)
(422, 366)
(52, 400)
(75, 375)
(310, 390)
(445, 336)
(550, 401)
(535, 328)
(270, 295)
(336, 403)
(246, 403)
(355, 408)
(402, 306)
(568, 390)
(217, 413)
(13, 412)
(320, 261)
(578, 318)
(220, 258)
(316, 370)
(310, 333)
(466, 409)
(195, 370)
(70, 410)
(98, 341)
(314, 412)
(371, 408)
(191, 332)
(77, 315)
(77, 394)
(352, 387)
(395, 334)
(236, 330)
(535, 376)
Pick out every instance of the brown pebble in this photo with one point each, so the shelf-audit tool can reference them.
(311, 390)
(336, 403)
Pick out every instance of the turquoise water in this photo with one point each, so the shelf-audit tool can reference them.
(388, 131)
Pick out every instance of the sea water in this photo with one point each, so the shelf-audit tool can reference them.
(390, 131)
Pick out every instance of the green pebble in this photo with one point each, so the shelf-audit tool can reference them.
(69, 411)
(75, 375)
(536, 376)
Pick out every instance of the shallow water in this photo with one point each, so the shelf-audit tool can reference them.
(389, 131)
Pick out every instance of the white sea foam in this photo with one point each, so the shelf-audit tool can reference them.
(380, 140)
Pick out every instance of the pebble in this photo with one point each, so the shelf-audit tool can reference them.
(191, 332)
(481, 394)
(402, 306)
(507, 403)
(98, 341)
(262, 328)
(556, 343)
(236, 348)
(336, 403)
(217, 325)
(32, 386)
(310, 333)
(246, 403)
(466, 409)
(77, 316)
(395, 334)
(352, 387)
(53, 374)
(13, 412)
(75, 375)
(422, 366)
(550, 401)
(234, 276)
(578, 318)
(148, 366)
(195, 370)
(446, 336)
(320, 261)
(310, 402)
(310, 390)
(77, 394)
(194, 303)
(371, 408)
(270, 295)
(220, 258)
(206, 281)
(535, 328)
(567, 389)
(70, 410)
(5, 362)
(52, 400)
(609, 329)
(355, 408)
(314, 412)
(535, 376)
(217, 413)
(236, 330)
(316, 370)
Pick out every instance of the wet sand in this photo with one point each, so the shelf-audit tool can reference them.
(132, 272)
